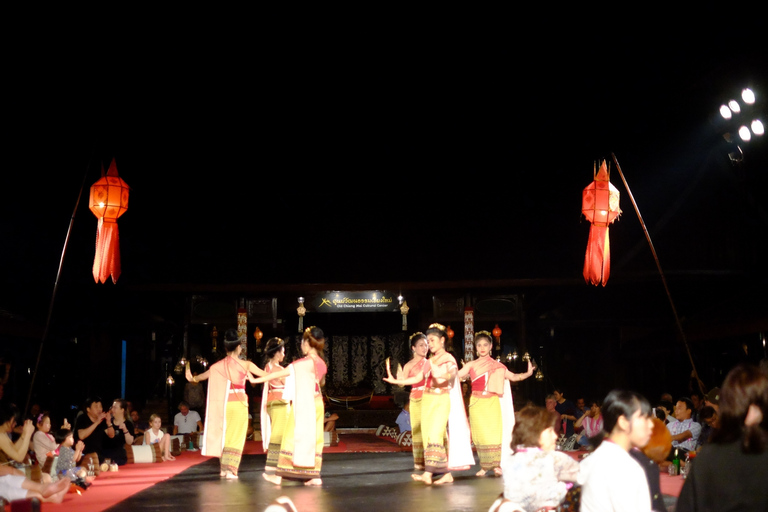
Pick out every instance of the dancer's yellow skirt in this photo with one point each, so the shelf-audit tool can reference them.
(485, 422)
(234, 436)
(435, 409)
(285, 467)
(278, 416)
(415, 410)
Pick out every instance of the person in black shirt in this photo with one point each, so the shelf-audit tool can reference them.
(568, 411)
(92, 427)
(114, 447)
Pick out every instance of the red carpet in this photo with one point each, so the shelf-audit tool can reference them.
(110, 488)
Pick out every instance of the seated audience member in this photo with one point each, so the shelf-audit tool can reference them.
(697, 399)
(15, 486)
(329, 422)
(568, 411)
(669, 410)
(155, 435)
(731, 471)
(14, 450)
(43, 441)
(710, 421)
(550, 403)
(139, 427)
(590, 424)
(114, 447)
(685, 432)
(92, 428)
(610, 478)
(186, 420)
(194, 394)
(713, 399)
(404, 418)
(536, 475)
(70, 454)
(583, 407)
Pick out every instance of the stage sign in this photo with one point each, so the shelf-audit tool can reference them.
(355, 302)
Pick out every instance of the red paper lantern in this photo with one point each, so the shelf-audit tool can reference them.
(108, 201)
(600, 205)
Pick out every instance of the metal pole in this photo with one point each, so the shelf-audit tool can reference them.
(55, 288)
(661, 273)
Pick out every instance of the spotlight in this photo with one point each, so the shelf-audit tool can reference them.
(757, 127)
(748, 96)
(745, 134)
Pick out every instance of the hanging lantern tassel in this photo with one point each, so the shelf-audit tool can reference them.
(108, 201)
(404, 311)
(301, 310)
(600, 205)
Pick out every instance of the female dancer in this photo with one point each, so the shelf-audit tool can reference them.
(414, 374)
(491, 413)
(301, 450)
(442, 411)
(227, 405)
(274, 411)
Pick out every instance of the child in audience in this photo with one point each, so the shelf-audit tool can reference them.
(43, 442)
(69, 456)
(154, 435)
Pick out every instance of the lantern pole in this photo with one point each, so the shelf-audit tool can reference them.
(55, 288)
(661, 273)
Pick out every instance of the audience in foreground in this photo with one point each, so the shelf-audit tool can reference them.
(611, 479)
(731, 471)
(536, 475)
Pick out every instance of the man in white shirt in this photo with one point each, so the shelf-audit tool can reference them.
(611, 480)
(186, 421)
(685, 432)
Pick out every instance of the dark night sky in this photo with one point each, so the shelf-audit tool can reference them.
(438, 160)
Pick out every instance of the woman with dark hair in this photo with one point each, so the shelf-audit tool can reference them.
(610, 478)
(731, 471)
(491, 411)
(414, 374)
(227, 405)
(301, 449)
(536, 474)
(274, 410)
(442, 411)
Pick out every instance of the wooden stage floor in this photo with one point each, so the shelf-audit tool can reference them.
(369, 482)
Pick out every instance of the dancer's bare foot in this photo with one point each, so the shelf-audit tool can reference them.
(222, 474)
(497, 472)
(480, 473)
(425, 477)
(231, 476)
(445, 479)
(272, 478)
(315, 482)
